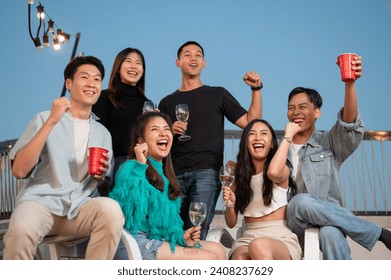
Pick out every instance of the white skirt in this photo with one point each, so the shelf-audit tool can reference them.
(277, 229)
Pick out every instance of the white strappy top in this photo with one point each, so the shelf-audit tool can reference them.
(256, 208)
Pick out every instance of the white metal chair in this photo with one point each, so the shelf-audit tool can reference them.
(131, 246)
(59, 247)
(311, 244)
(311, 240)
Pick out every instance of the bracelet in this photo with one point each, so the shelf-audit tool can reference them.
(230, 205)
(257, 88)
(288, 139)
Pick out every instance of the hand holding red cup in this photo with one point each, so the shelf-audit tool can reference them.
(345, 62)
(96, 154)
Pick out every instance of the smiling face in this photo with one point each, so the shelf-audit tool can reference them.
(259, 141)
(132, 69)
(303, 112)
(85, 87)
(158, 137)
(191, 60)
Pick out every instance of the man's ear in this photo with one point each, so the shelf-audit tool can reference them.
(317, 113)
(68, 84)
(177, 63)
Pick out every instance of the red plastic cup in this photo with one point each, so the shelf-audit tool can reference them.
(345, 65)
(95, 154)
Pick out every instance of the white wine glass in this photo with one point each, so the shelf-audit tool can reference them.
(182, 114)
(227, 177)
(197, 214)
(149, 106)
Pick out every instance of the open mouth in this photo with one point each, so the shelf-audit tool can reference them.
(258, 146)
(163, 143)
(132, 73)
(298, 121)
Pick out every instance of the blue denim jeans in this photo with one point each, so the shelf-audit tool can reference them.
(121, 253)
(334, 222)
(200, 185)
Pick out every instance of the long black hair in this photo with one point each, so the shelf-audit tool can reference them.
(245, 169)
(115, 77)
(154, 178)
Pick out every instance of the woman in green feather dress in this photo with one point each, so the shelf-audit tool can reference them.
(149, 196)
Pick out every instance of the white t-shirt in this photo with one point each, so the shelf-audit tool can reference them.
(296, 173)
(295, 148)
(82, 130)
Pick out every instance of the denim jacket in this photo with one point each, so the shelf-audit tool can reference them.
(322, 155)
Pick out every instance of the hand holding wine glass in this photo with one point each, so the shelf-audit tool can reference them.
(227, 177)
(182, 114)
(197, 214)
(149, 106)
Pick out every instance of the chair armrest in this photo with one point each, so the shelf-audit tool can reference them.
(131, 246)
(311, 244)
(220, 235)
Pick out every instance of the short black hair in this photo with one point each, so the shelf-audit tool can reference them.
(312, 94)
(189, 43)
(75, 63)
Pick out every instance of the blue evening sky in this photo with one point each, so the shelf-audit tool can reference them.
(290, 43)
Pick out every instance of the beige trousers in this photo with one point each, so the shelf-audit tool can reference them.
(101, 218)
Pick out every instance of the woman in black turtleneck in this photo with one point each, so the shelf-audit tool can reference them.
(119, 105)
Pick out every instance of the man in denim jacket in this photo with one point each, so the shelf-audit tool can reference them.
(316, 158)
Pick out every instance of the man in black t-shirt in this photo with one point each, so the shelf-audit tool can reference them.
(197, 161)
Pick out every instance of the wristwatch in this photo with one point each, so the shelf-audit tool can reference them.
(257, 88)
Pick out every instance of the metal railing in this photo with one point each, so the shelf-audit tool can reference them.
(9, 185)
(365, 176)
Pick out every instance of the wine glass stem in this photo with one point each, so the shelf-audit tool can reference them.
(225, 201)
(198, 244)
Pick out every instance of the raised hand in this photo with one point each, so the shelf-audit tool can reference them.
(357, 66)
(291, 129)
(59, 107)
(141, 152)
(252, 79)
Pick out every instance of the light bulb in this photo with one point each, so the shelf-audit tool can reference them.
(56, 45)
(60, 36)
(66, 36)
(37, 43)
(40, 14)
(45, 39)
(51, 25)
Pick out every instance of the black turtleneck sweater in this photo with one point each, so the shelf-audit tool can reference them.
(119, 121)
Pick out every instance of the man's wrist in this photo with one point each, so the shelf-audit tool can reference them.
(257, 88)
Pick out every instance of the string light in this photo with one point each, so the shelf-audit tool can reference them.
(51, 25)
(40, 13)
(46, 40)
(58, 39)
